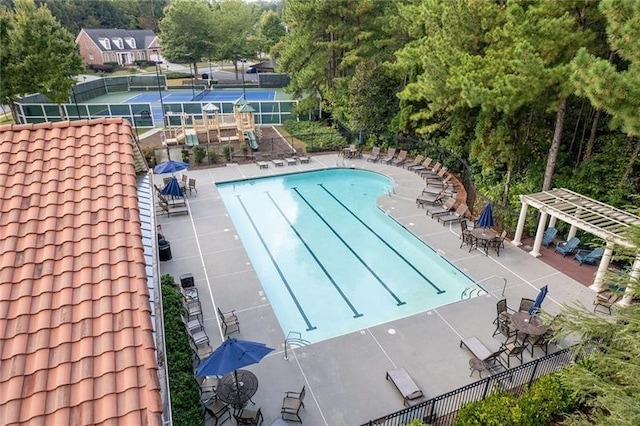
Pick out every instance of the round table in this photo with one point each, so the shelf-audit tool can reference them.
(483, 236)
(527, 324)
(237, 388)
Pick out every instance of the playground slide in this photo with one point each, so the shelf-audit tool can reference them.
(252, 139)
(191, 138)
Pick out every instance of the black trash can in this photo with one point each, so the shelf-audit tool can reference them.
(165, 250)
(186, 280)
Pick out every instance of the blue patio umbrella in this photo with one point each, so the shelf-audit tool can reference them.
(231, 355)
(538, 302)
(172, 188)
(170, 166)
(485, 220)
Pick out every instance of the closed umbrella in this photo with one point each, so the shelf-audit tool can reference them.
(172, 188)
(485, 220)
(538, 302)
(170, 166)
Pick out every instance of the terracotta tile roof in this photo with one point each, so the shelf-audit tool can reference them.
(76, 342)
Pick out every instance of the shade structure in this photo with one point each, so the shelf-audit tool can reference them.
(231, 355)
(173, 188)
(538, 302)
(485, 220)
(170, 166)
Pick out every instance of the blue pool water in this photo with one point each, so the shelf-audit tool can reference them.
(330, 261)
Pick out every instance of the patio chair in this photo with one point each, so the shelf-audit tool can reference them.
(605, 300)
(414, 163)
(502, 311)
(549, 236)
(512, 349)
(525, 304)
(229, 319)
(192, 186)
(374, 155)
(192, 309)
(503, 326)
(193, 325)
(249, 417)
(460, 214)
(401, 158)
(291, 404)
(567, 247)
(465, 234)
(589, 256)
(199, 337)
(541, 342)
(217, 410)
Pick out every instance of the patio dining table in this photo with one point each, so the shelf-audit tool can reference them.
(528, 324)
(482, 236)
(237, 388)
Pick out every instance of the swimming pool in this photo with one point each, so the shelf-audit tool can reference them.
(329, 260)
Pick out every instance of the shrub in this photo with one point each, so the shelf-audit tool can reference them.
(214, 156)
(185, 155)
(317, 136)
(228, 152)
(198, 154)
(102, 67)
(172, 75)
(537, 406)
(185, 392)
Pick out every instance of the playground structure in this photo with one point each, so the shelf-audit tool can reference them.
(213, 127)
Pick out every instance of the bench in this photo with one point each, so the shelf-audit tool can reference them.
(411, 393)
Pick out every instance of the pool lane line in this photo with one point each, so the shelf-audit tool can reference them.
(438, 290)
(356, 314)
(398, 301)
(310, 326)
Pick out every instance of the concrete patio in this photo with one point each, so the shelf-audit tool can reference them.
(345, 376)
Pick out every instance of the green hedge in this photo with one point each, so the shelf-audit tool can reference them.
(185, 392)
(316, 136)
(537, 406)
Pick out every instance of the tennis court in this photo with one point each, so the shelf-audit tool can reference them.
(206, 96)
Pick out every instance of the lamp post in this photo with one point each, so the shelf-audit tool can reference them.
(244, 93)
(193, 90)
(159, 88)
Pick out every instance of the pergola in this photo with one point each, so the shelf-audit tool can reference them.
(599, 219)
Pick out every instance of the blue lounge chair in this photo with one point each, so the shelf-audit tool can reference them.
(567, 247)
(549, 235)
(589, 256)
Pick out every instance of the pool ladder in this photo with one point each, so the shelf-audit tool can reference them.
(294, 338)
(477, 290)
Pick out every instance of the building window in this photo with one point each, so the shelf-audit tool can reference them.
(91, 56)
(105, 42)
(118, 42)
(131, 42)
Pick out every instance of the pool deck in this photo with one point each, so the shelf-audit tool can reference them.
(345, 376)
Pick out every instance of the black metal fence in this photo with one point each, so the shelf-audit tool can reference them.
(442, 410)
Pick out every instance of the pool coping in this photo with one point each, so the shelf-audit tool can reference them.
(345, 376)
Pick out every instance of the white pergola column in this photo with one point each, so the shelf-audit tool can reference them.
(542, 224)
(598, 282)
(517, 239)
(572, 232)
(635, 275)
(552, 221)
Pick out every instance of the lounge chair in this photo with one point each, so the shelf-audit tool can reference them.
(589, 256)
(423, 166)
(411, 393)
(448, 206)
(567, 247)
(415, 163)
(549, 236)
(401, 158)
(391, 152)
(429, 199)
(430, 171)
(605, 300)
(461, 212)
(374, 155)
